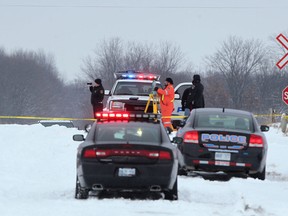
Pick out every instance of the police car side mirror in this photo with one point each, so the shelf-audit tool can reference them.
(78, 137)
(181, 124)
(107, 92)
(177, 140)
(264, 128)
(177, 96)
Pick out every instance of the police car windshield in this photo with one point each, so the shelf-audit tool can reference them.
(128, 132)
(134, 88)
(223, 121)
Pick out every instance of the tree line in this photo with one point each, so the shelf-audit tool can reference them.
(240, 74)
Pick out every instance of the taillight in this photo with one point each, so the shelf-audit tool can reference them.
(102, 153)
(191, 137)
(165, 155)
(256, 141)
(89, 153)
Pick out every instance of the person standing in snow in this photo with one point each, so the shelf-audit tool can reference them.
(193, 97)
(97, 96)
(166, 96)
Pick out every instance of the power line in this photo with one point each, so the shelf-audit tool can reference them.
(130, 7)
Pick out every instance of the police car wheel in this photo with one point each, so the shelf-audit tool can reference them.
(172, 194)
(80, 193)
(259, 175)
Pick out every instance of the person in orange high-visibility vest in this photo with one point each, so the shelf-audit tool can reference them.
(166, 98)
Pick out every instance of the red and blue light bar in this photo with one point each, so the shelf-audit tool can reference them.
(131, 74)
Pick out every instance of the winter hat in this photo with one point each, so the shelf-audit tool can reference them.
(98, 81)
(196, 77)
(169, 80)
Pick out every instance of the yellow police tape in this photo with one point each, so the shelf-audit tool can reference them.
(45, 118)
(65, 119)
(92, 119)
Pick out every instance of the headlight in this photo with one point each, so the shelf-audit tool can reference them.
(116, 105)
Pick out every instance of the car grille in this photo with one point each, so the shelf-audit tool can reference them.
(139, 107)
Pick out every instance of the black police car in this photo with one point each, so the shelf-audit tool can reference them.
(226, 140)
(126, 152)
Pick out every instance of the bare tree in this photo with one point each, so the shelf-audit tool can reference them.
(237, 60)
(216, 94)
(112, 56)
(139, 56)
(31, 85)
(107, 59)
(168, 59)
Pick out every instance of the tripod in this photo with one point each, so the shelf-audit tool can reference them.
(154, 98)
(155, 102)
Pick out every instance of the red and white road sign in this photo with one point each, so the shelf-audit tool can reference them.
(285, 95)
(284, 60)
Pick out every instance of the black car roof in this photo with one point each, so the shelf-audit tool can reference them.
(223, 110)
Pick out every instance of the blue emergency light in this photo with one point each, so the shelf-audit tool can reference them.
(131, 74)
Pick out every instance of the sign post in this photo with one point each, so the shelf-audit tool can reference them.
(285, 95)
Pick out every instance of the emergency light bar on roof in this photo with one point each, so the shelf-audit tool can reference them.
(127, 116)
(131, 74)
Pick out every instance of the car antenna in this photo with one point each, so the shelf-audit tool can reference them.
(223, 109)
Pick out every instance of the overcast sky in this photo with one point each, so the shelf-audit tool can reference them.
(71, 29)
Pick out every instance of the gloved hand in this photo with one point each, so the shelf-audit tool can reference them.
(91, 88)
(156, 88)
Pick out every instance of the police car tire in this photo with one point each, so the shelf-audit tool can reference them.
(259, 175)
(182, 172)
(80, 193)
(172, 195)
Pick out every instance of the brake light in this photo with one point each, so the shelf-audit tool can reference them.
(89, 153)
(191, 137)
(256, 141)
(165, 155)
(103, 153)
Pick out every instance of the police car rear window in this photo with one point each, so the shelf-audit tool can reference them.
(128, 132)
(223, 121)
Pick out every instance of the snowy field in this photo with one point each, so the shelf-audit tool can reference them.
(38, 179)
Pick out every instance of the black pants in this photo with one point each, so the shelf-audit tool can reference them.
(97, 108)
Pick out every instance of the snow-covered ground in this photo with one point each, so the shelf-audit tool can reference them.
(37, 172)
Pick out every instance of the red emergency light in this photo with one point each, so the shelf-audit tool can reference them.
(131, 74)
(126, 116)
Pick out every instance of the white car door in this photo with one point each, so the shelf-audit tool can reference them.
(179, 89)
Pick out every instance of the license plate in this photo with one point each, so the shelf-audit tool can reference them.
(222, 156)
(126, 172)
(222, 163)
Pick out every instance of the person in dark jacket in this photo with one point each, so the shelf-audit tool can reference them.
(193, 97)
(97, 95)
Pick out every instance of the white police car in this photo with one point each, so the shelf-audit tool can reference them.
(131, 92)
